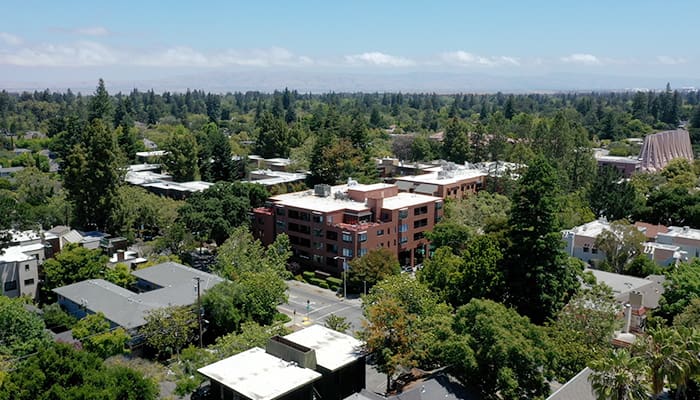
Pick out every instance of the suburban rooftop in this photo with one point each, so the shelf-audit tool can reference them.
(258, 375)
(333, 349)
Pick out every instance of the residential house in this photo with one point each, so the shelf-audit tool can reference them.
(256, 375)
(578, 388)
(163, 285)
(688, 239)
(580, 242)
(641, 294)
(334, 224)
(339, 359)
(312, 363)
(19, 263)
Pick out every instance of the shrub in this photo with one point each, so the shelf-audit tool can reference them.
(324, 285)
(308, 275)
(316, 281)
(334, 281)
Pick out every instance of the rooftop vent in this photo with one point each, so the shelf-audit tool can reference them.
(322, 190)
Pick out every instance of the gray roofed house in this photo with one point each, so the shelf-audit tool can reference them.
(168, 284)
(578, 388)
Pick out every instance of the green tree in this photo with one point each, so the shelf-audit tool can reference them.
(222, 166)
(273, 137)
(539, 276)
(92, 175)
(100, 106)
(61, 372)
(668, 355)
(480, 212)
(73, 264)
(622, 243)
(168, 330)
(337, 323)
(215, 212)
(450, 234)
(611, 196)
(95, 334)
(682, 285)
(376, 265)
(21, 331)
(120, 275)
(510, 352)
(242, 253)
(456, 145)
(181, 157)
(398, 311)
(56, 319)
(222, 306)
(582, 330)
(619, 376)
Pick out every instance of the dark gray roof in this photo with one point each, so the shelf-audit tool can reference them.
(171, 274)
(578, 388)
(440, 387)
(128, 309)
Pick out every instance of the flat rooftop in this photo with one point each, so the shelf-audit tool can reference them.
(682, 232)
(17, 253)
(333, 349)
(258, 375)
(432, 177)
(617, 159)
(338, 200)
(590, 229)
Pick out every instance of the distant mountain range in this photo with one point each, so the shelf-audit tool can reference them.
(322, 82)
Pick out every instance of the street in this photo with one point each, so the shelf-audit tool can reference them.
(322, 303)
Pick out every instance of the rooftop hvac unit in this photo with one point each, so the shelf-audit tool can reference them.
(322, 190)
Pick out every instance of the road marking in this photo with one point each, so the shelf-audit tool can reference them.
(333, 312)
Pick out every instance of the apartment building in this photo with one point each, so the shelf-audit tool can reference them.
(445, 181)
(688, 239)
(332, 224)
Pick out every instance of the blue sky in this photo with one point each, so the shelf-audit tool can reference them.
(59, 41)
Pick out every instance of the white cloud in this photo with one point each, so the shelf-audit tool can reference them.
(275, 56)
(10, 39)
(83, 53)
(180, 56)
(668, 60)
(580, 58)
(464, 58)
(379, 59)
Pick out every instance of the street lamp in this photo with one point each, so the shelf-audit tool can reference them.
(345, 269)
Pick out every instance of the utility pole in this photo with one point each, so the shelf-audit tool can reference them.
(345, 271)
(199, 309)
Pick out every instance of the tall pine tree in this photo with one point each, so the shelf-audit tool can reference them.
(539, 276)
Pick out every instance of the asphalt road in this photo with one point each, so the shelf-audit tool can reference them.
(322, 303)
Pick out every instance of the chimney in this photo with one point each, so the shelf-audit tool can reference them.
(628, 318)
(120, 255)
(636, 300)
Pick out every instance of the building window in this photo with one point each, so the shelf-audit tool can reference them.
(418, 235)
(347, 237)
(318, 245)
(403, 214)
(318, 232)
(280, 225)
(403, 228)
(404, 239)
(332, 248)
(380, 232)
(438, 205)
(318, 259)
(362, 252)
(26, 266)
(363, 237)
(347, 252)
(280, 211)
(28, 282)
(594, 251)
(317, 218)
(10, 285)
(332, 235)
(420, 210)
(586, 248)
(420, 223)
